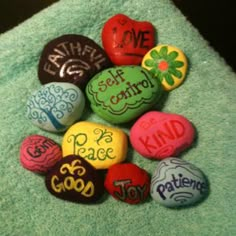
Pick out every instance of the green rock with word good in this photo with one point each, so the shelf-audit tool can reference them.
(123, 93)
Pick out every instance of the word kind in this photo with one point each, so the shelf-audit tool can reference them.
(171, 130)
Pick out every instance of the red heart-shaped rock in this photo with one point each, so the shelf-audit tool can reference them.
(126, 41)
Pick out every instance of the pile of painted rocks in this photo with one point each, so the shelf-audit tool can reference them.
(122, 83)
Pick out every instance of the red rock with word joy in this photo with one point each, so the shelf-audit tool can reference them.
(126, 41)
(159, 135)
(128, 183)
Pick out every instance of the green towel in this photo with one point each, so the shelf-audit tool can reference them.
(206, 98)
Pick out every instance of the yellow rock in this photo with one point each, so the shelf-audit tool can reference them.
(167, 63)
(100, 145)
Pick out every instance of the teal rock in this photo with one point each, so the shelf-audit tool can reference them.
(177, 183)
(55, 106)
(123, 93)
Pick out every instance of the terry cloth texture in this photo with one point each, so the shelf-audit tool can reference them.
(207, 99)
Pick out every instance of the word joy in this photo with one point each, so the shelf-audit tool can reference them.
(129, 192)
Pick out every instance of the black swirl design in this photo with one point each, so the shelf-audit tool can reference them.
(182, 197)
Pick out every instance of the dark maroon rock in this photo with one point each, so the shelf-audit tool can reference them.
(71, 58)
(74, 179)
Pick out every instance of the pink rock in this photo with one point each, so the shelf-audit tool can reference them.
(38, 153)
(159, 135)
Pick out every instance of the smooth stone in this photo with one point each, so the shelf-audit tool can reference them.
(55, 106)
(123, 93)
(159, 135)
(71, 58)
(38, 153)
(126, 41)
(128, 183)
(102, 146)
(74, 179)
(168, 64)
(177, 183)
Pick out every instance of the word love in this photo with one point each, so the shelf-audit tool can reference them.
(159, 135)
(75, 180)
(122, 93)
(38, 153)
(100, 145)
(71, 58)
(128, 183)
(126, 41)
(177, 183)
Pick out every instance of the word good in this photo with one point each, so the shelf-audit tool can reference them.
(128, 183)
(168, 64)
(123, 93)
(177, 183)
(75, 180)
(55, 106)
(101, 145)
(126, 41)
(159, 135)
(38, 153)
(71, 58)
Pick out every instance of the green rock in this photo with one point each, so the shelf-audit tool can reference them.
(123, 93)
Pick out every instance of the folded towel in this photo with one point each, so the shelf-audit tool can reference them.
(206, 98)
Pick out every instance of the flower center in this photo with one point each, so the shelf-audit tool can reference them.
(163, 65)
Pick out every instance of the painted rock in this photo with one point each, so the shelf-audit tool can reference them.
(128, 183)
(74, 179)
(177, 183)
(38, 153)
(123, 93)
(55, 106)
(167, 63)
(159, 135)
(126, 41)
(71, 58)
(101, 145)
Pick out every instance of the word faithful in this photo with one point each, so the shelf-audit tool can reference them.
(71, 58)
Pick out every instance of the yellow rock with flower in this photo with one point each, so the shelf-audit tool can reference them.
(168, 64)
